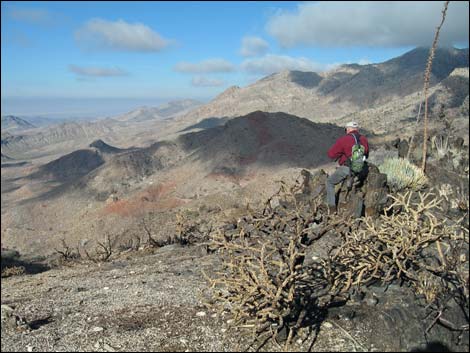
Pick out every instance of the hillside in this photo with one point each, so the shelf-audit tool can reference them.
(448, 98)
(5, 158)
(331, 95)
(65, 133)
(164, 111)
(14, 123)
(231, 160)
(382, 96)
(155, 302)
(104, 222)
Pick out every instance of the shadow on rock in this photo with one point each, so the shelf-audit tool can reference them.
(12, 264)
(433, 347)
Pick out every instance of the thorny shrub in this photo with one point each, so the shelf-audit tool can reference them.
(263, 282)
(266, 285)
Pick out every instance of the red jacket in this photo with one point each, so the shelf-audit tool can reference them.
(342, 148)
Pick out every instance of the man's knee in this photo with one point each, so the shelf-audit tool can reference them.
(338, 176)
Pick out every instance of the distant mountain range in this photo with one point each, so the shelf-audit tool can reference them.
(165, 111)
(224, 152)
(331, 95)
(5, 158)
(382, 96)
(18, 136)
(14, 123)
(65, 132)
(264, 140)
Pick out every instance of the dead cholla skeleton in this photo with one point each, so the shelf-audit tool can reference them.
(410, 244)
(391, 247)
(187, 232)
(264, 283)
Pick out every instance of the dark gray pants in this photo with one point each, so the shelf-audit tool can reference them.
(337, 177)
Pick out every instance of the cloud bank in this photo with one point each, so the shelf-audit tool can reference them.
(275, 63)
(201, 81)
(253, 46)
(89, 71)
(206, 66)
(99, 34)
(375, 24)
(32, 16)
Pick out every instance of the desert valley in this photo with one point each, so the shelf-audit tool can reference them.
(114, 225)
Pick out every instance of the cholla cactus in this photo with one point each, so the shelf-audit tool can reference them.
(402, 174)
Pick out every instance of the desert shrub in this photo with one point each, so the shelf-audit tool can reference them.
(402, 174)
(103, 250)
(409, 244)
(13, 271)
(66, 253)
(264, 282)
(268, 283)
(392, 246)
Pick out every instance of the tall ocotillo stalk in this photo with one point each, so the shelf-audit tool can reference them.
(427, 74)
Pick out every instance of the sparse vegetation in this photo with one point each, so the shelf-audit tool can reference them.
(66, 253)
(13, 271)
(394, 246)
(441, 144)
(264, 283)
(268, 286)
(104, 249)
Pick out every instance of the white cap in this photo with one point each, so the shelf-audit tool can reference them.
(352, 124)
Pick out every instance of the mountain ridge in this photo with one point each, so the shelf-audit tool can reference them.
(333, 94)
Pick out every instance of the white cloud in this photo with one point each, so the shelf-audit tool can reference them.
(275, 63)
(382, 24)
(253, 46)
(201, 81)
(33, 16)
(97, 71)
(206, 66)
(119, 35)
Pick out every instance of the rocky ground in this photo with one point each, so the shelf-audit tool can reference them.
(155, 301)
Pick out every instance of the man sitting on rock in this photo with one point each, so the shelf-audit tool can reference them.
(350, 151)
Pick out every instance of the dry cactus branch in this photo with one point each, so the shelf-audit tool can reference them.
(392, 246)
(151, 241)
(263, 283)
(267, 287)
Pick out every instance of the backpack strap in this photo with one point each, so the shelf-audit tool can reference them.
(356, 138)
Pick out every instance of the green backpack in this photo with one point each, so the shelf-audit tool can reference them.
(357, 156)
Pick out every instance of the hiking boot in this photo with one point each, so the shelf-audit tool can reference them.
(331, 209)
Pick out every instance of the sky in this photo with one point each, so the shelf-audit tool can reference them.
(72, 58)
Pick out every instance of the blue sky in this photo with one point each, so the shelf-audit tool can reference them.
(158, 51)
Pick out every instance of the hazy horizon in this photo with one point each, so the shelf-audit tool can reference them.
(194, 49)
(77, 108)
(182, 50)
